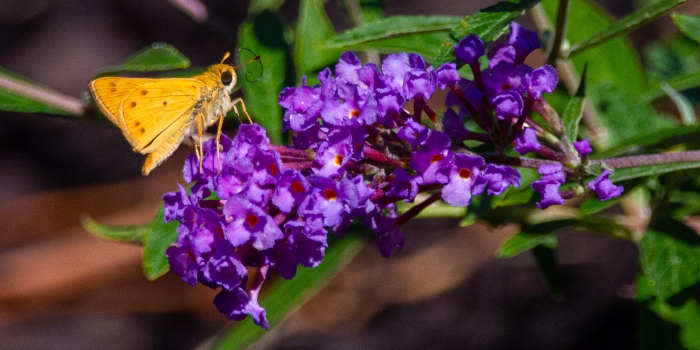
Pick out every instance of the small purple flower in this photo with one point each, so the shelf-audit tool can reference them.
(326, 199)
(508, 104)
(465, 173)
(447, 75)
(183, 262)
(249, 222)
(237, 304)
(552, 177)
(523, 40)
(419, 84)
(303, 244)
(501, 54)
(453, 124)
(500, 177)
(334, 154)
(413, 132)
(434, 160)
(604, 188)
(402, 186)
(389, 235)
(469, 49)
(347, 67)
(301, 106)
(526, 141)
(583, 147)
(290, 191)
(395, 67)
(543, 79)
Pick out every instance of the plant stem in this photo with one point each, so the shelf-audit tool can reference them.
(518, 161)
(651, 159)
(52, 98)
(560, 31)
(415, 210)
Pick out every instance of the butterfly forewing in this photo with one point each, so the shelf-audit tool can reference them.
(155, 106)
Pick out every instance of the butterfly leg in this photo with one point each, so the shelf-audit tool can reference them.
(218, 137)
(240, 100)
(200, 122)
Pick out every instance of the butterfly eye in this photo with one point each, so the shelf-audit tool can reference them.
(226, 77)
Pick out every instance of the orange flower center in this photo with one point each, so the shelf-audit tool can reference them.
(465, 173)
(297, 186)
(330, 194)
(251, 220)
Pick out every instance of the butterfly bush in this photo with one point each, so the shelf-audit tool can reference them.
(363, 139)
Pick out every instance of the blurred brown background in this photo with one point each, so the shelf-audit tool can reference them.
(61, 288)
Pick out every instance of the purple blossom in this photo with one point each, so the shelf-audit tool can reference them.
(583, 147)
(413, 132)
(523, 40)
(500, 177)
(447, 75)
(526, 141)
(463, 177)
(543, 79)
(552, 177)
(604, 188)
(434, 160)
(469, 49)
(508, 104)
(402, 186)
(453, 124)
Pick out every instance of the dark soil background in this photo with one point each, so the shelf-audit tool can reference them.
(63, 289)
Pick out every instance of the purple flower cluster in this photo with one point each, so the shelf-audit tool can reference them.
(357, 148)
(261, 217)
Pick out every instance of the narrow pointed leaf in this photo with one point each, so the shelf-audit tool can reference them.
(651, 170)
(157, 57)
(620, 27)
(285, 296)
(372, 33)
(126, 234)
(688, 25)
(574, 109)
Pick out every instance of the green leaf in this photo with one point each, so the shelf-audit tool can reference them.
(523, 241)
(533, 236)
(627, 24)
(546, 260)
(157, 57)
(15, 102)
(665, 326)
(257, 6)
(263, 34)
(489, 23)
(595, 205)
(671, 258)
(284, 297)
(685, 108)
(688, 25)
(666, 136)
(623, 115)
(678, 83)
(574, 109)
(313, 29)
(651, 170)
(615, 61)
(388, 34)
(126, 234)
(161, 234)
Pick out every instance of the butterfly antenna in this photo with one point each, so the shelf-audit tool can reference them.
(255, 58)
(226, 56)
